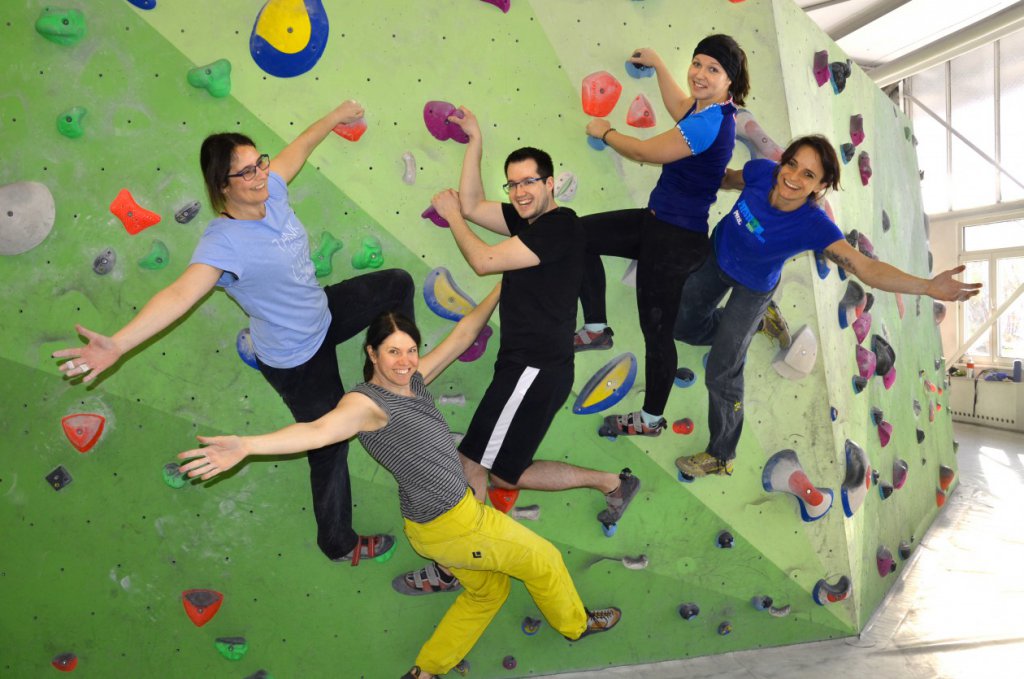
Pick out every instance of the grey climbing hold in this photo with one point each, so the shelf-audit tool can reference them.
(26, 216)
(104, 262)
(186, 214)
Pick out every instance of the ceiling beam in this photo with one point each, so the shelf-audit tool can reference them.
(868, 16)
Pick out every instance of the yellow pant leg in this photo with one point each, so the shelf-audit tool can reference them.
(483, 547)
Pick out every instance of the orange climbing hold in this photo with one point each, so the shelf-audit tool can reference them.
(351, 131)
(600, 93)
(502, 499)
(640, 113)
(83, 429)
(201, 605)
(134, 217)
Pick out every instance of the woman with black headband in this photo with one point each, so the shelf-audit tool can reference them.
(669, 237)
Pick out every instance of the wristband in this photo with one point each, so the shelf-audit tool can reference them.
(610, 129)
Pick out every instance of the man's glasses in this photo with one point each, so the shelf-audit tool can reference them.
(249, 173)
(529, 181)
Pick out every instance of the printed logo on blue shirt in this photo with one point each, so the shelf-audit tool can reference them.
(744, 217)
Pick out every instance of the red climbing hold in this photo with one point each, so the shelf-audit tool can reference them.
(83, 429)
(502, 499)
(640, 113)
(351, 131)
(600, 93)
(201, 605)
(134, 217)
(65, 662)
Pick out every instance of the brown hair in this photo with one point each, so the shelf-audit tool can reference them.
(382, 327)
(215, 162)
(826, 154)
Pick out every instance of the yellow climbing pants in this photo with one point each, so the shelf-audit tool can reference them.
(484, 548)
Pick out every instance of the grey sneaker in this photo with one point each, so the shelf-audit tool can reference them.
(618, 500)
(584, 340)
(774, 325)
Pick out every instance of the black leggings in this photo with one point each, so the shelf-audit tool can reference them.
(666, 255)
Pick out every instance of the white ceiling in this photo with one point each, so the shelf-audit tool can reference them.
(877, 32)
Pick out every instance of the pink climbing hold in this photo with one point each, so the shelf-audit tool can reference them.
(640, 113)
(503, 5)
(431, 214)
(820, 68)
(435, 116)
(864, 165)
(862, 326)
(600, 93)
(351, 131)
(866, 362)
(134, 217)
(889, 378)
(884, 433)
(857, 129)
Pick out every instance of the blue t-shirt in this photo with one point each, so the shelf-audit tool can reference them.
(754, 240)
(687, 187)
(268, 271)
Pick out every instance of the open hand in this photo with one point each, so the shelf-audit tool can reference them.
(100, 353)
(220, 454)
(946, 288)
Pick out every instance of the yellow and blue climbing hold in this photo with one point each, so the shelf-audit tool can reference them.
(289, 36)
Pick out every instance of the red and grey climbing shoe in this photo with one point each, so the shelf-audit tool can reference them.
(428, 580)
(631, 424)
(376, 547)
(585, 340)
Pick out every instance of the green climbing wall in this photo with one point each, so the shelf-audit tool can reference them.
(98, 567)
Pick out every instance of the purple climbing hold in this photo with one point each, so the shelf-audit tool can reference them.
(503, 5)
(820, 68)
(866, 362)
(900, 469)
(862, 326)
(509, 662)
(864, 165)
(431, 214)
(479, 346)
(857, 129)
(435, 116)
(884, 433)
(886, 564)
(688, 611)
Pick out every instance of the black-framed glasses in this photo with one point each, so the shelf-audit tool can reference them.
(525, 183)
(249, 173)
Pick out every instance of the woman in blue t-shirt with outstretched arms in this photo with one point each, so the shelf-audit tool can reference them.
(668, 238)
(776, 217)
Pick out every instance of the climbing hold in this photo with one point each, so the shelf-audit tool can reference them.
(260, 674)
(565, 186)
(215, 78)
(847, 151)
(453, 400)
(820, 67)
(885, 489)
(885, 359)
(502, 499)
(886, 225)
(69, 123)
(607, 386)
(939, 311)
(940, 497)
(134, 217)
(83, 429)
(246, 349)
(59, 478)
(173, 476)
(369, 256)
(916, 406)
(900, 470)
(600, 93)
(852, 305)
(232, 648)
(62, 26)
(104, 262)
(780, 611)
(143, 4)
(435, 117)
(833, 413)
(900, 309)
(859, 384)
(783, 473)
(463, 668)
(530, 626)
(840, 72)
(883, 559)
(187, 213)
(323, 254)
(724, 628)
(640, 113)
(906, 548)
(157, 258)
(884, 433)
(683, 426)
(725, 540)
(688, 611)
(797, 362)
(509, 662)
(757, 141)
(866, 249)
(289, 36)
(27, 212)
(527, 513)
(858, 478)
(478, 347)
(946, 476)
(877, 416)
(351, 131)
(431, 214)
(822, 265)
(762, 603)
(65, 662)
(825, 593)
(684, 378)
(866, 362)
(857, 129)
(409, 161)
(596, 144)
(864, 166)
(862, 326)
(201, 605)
(635, 563)
(503, 5)
(639, 70)
(444, 297)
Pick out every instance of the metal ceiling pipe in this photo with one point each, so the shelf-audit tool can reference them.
(981, 33)
(859, 21)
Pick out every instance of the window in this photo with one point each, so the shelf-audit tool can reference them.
(994, 256)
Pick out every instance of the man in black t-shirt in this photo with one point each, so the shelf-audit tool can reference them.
(541, 263)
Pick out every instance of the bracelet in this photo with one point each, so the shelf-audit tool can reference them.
(610, 129)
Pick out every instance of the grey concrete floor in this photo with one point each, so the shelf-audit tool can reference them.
(957, 611)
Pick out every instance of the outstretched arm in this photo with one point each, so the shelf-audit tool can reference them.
(666, 147)
(886, 277)
(160, 311)
(475, 206)
(353, 414)
(460, 338)
(290, 160)
(507, 255)
(677, 101)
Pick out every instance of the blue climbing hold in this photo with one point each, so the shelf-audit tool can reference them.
(596, 144)
(246, 350)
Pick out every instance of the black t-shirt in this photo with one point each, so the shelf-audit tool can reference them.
(538, 304)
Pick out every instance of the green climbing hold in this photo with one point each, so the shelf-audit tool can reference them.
(232, 648)
(173, 476)
(370, 255)
(324, 252)
(69, 123)
(215, 78)
(60, 25)
(157, 258)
